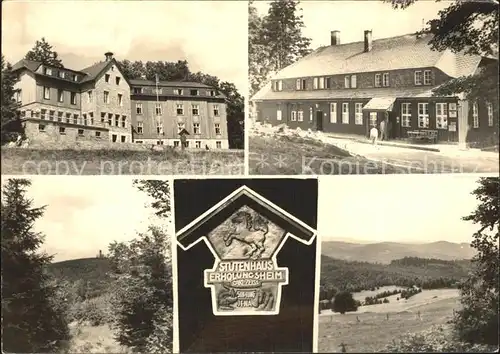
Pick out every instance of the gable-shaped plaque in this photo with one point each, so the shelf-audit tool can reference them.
(245, 233)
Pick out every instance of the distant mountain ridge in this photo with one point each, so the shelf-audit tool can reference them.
(385, 252)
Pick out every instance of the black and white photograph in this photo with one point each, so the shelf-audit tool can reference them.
(246, 265)
(373, 87)
(411, 265)
(82, 271)
(123, 87)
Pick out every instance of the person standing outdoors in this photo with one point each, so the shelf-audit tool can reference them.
(374, 135)
(383, 129)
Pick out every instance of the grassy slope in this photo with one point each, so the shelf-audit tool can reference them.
(106, 161)
(294, 152)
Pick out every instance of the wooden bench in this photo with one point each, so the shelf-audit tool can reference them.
(423, 135)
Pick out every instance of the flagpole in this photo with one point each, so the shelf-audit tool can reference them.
(157, 103)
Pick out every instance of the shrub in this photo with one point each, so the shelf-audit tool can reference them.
(344, 302)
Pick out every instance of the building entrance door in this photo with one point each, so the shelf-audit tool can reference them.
(319, 120)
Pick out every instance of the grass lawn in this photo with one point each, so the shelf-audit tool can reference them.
(287, 155)
(120, 162)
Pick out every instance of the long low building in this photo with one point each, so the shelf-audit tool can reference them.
(100, 103)
(348, 88)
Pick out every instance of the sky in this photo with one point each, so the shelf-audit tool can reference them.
(352, 18)
(396, 208)
(85, 214)
(210, 35)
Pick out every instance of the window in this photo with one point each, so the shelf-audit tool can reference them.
(179, 91)
(452, 110)
(354, 81)
(300, 116)
(217, 129)
(423, 115)
(117, 79)
(216, 110)
(378, 80)
(180, 109)
(62, 74)
(327, 83)
(218, 145)
(138, 141)
(197, 144)
(117, 120)
(279, 114)
(333, 112)
(137, 90)
(489, 107)
(293, 117)
(405, 115)
(41, 127)
(75, 78)
(385, 81)
(120, 99)
(140, 127)
(321, 83)
(48, 71)
(195, 109)
(347, 81)
(84, 119)
(159, 127)
(196, 128)
(103, 117)
(310, 113)
(18, 97)
(176, 143)
(80, 132)
(112, 68)
(441, 115)
(475, 115)
(43, 114)
(358, 113)
(62, 130)
(51, 115)
(298, 84)
(157, 91)
(373, 119)
(89, 97)
(60, 116)
(106, 97)
(158, 109)
(138, 108)
(280, 85)
(427, 77)
(114, 137)
(60, 95)
(97, 134)
(181, 126)
(345, 113)
(68, 117)
(211, 93)
(73, 97)
(315, 83)
(418, 78)
(110, 119)
(194, 92)
(123, 139)
(91, 117)
(124, 121)
(106, 78)
(46, 93)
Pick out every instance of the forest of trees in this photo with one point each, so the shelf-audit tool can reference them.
(168, 71)
(340, 275)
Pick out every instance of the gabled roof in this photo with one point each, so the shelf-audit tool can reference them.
(31, 65)
(243, 196)
(401, 52)
(93, 71)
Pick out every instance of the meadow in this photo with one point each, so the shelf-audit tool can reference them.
(373, 327)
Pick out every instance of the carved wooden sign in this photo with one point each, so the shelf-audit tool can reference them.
(245, 241)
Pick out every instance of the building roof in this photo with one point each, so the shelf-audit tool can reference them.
(401, 52)
(31, 65)
(266, 93)
(142, 82)
(93, 71)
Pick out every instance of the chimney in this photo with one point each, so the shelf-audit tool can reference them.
(108, 55)
(100, 254)
(368, 41)
(335, 37)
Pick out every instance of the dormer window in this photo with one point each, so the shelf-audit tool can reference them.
(378, 80)
(328, 83)
(137, 90)
(62, 74)
(347, 82)
(315, 83)
(427, 77)
(75, 78)
(278, 85)
(385, 80)
(300, 84)
(178, 91)
(211, 93)
(48, 71)
(321, 83)
(354, 81)
(418, 78)
(194, 92)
